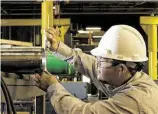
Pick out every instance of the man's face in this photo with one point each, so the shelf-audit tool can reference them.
(106, 72)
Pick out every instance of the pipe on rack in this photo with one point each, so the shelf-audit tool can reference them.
(29, 60)
(22, 60)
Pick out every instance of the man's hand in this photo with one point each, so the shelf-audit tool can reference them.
(52, 35)
(44, 80)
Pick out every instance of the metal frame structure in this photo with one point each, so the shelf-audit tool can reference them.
(150, 26)
(33, 22)
(46, 22)
(84, 7)
(47, 19)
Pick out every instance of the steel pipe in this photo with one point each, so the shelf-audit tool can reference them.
(22, 60)
(30, 60)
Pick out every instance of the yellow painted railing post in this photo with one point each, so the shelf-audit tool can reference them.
(47, 21)
(152, 45)
(47, 18)
(150, 24)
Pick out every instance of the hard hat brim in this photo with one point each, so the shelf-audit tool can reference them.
(99, 52)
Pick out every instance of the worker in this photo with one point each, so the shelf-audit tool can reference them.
(115, 68)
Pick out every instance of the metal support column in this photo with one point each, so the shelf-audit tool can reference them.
(47, 19)
(152, 50)
(149, 24)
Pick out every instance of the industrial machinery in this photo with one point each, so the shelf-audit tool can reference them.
(28, 22)
(23, 61)
(29, 60)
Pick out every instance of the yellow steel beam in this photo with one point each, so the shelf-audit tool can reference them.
(149, 20)
(20, 22)
(47, 19)
(152, 45)
(63, 30)
(149, 24)
(32, 22)
(145, 28)
(62, 22)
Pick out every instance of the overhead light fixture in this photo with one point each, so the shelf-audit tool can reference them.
(97, 36)
(93, 28)
(84, 32)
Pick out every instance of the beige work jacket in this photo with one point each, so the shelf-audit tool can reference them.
(138, 96)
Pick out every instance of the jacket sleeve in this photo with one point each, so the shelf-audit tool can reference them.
(83, 63)
(64, 103)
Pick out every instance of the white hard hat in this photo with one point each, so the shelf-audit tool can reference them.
(122, 42)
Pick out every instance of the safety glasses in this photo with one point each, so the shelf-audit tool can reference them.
(104, 62)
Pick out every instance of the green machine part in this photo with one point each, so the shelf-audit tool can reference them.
(57, 66)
